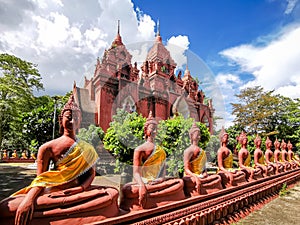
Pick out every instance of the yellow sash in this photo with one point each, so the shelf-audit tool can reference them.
(153, 165)
(79, 158)
(279, 157)
(261, 160)
(272, 158)
(228, 162)
(198, 164)
(248, 160)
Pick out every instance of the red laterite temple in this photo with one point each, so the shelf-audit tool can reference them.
(117, 83)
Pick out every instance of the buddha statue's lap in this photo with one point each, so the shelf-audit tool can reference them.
(158, 193)
(209, 184)
(63, 195)
(150, 189)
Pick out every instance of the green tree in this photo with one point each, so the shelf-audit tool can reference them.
(125, 133)
(256, 111)
(18, 80)
(173, 136)
(93, 135)
(267, 114)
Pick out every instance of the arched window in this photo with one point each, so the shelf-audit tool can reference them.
(128, 104)
(181, 106)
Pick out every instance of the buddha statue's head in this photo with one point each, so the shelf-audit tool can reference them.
(223, 136)
(72, 112)
(276, 144)
(194, 133)
(289, 145)
(257, 141)
(243, 138)
(268, 143)
(283, 144)
(150, 127)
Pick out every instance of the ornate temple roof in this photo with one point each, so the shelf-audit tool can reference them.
(159, 52)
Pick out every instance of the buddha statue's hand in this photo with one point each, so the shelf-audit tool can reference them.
(156, 181)
(142, 195)
(66, 192)
(198, 184)
(73, 191)
(24, 212)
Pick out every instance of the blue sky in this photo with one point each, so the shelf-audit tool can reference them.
(243, 43)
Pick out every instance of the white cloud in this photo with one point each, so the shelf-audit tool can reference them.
(65, 38)
(290, 6)
(177, 45)
(275, 65)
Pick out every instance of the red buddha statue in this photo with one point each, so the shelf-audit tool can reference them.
(150, 189)
(277, 157)
(63, 195)
(284, 156)
(4, 154)
(291, 156)
(196, 179)
(14, 155)
(24, 156)
(259, 159)
(244, 157)
(230, 176)
(269, 156)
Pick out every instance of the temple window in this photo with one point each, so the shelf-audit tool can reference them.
(128, 104)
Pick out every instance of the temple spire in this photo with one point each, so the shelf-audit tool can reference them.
(158, 37)
(118, 39)
(157, 31)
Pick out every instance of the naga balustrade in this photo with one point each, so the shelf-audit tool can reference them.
(222, 207)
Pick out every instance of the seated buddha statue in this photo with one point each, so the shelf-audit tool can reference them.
(291, 156)
(65, 193)
(196, 179)
(150, 188)
(230, 176)
(269, 156)
(259, 159)
(24, 156)
(277, 157)
(4, 154)
(244, 157)
(284, 156)
(14, 155)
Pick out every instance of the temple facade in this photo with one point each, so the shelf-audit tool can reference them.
(119, 83)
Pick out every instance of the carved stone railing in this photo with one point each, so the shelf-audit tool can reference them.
(222, 207)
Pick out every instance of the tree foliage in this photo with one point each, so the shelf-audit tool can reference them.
(125, 133)
(18, 80)
(173, 136)
(93, 135)
(256, 110)
(268, 114)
